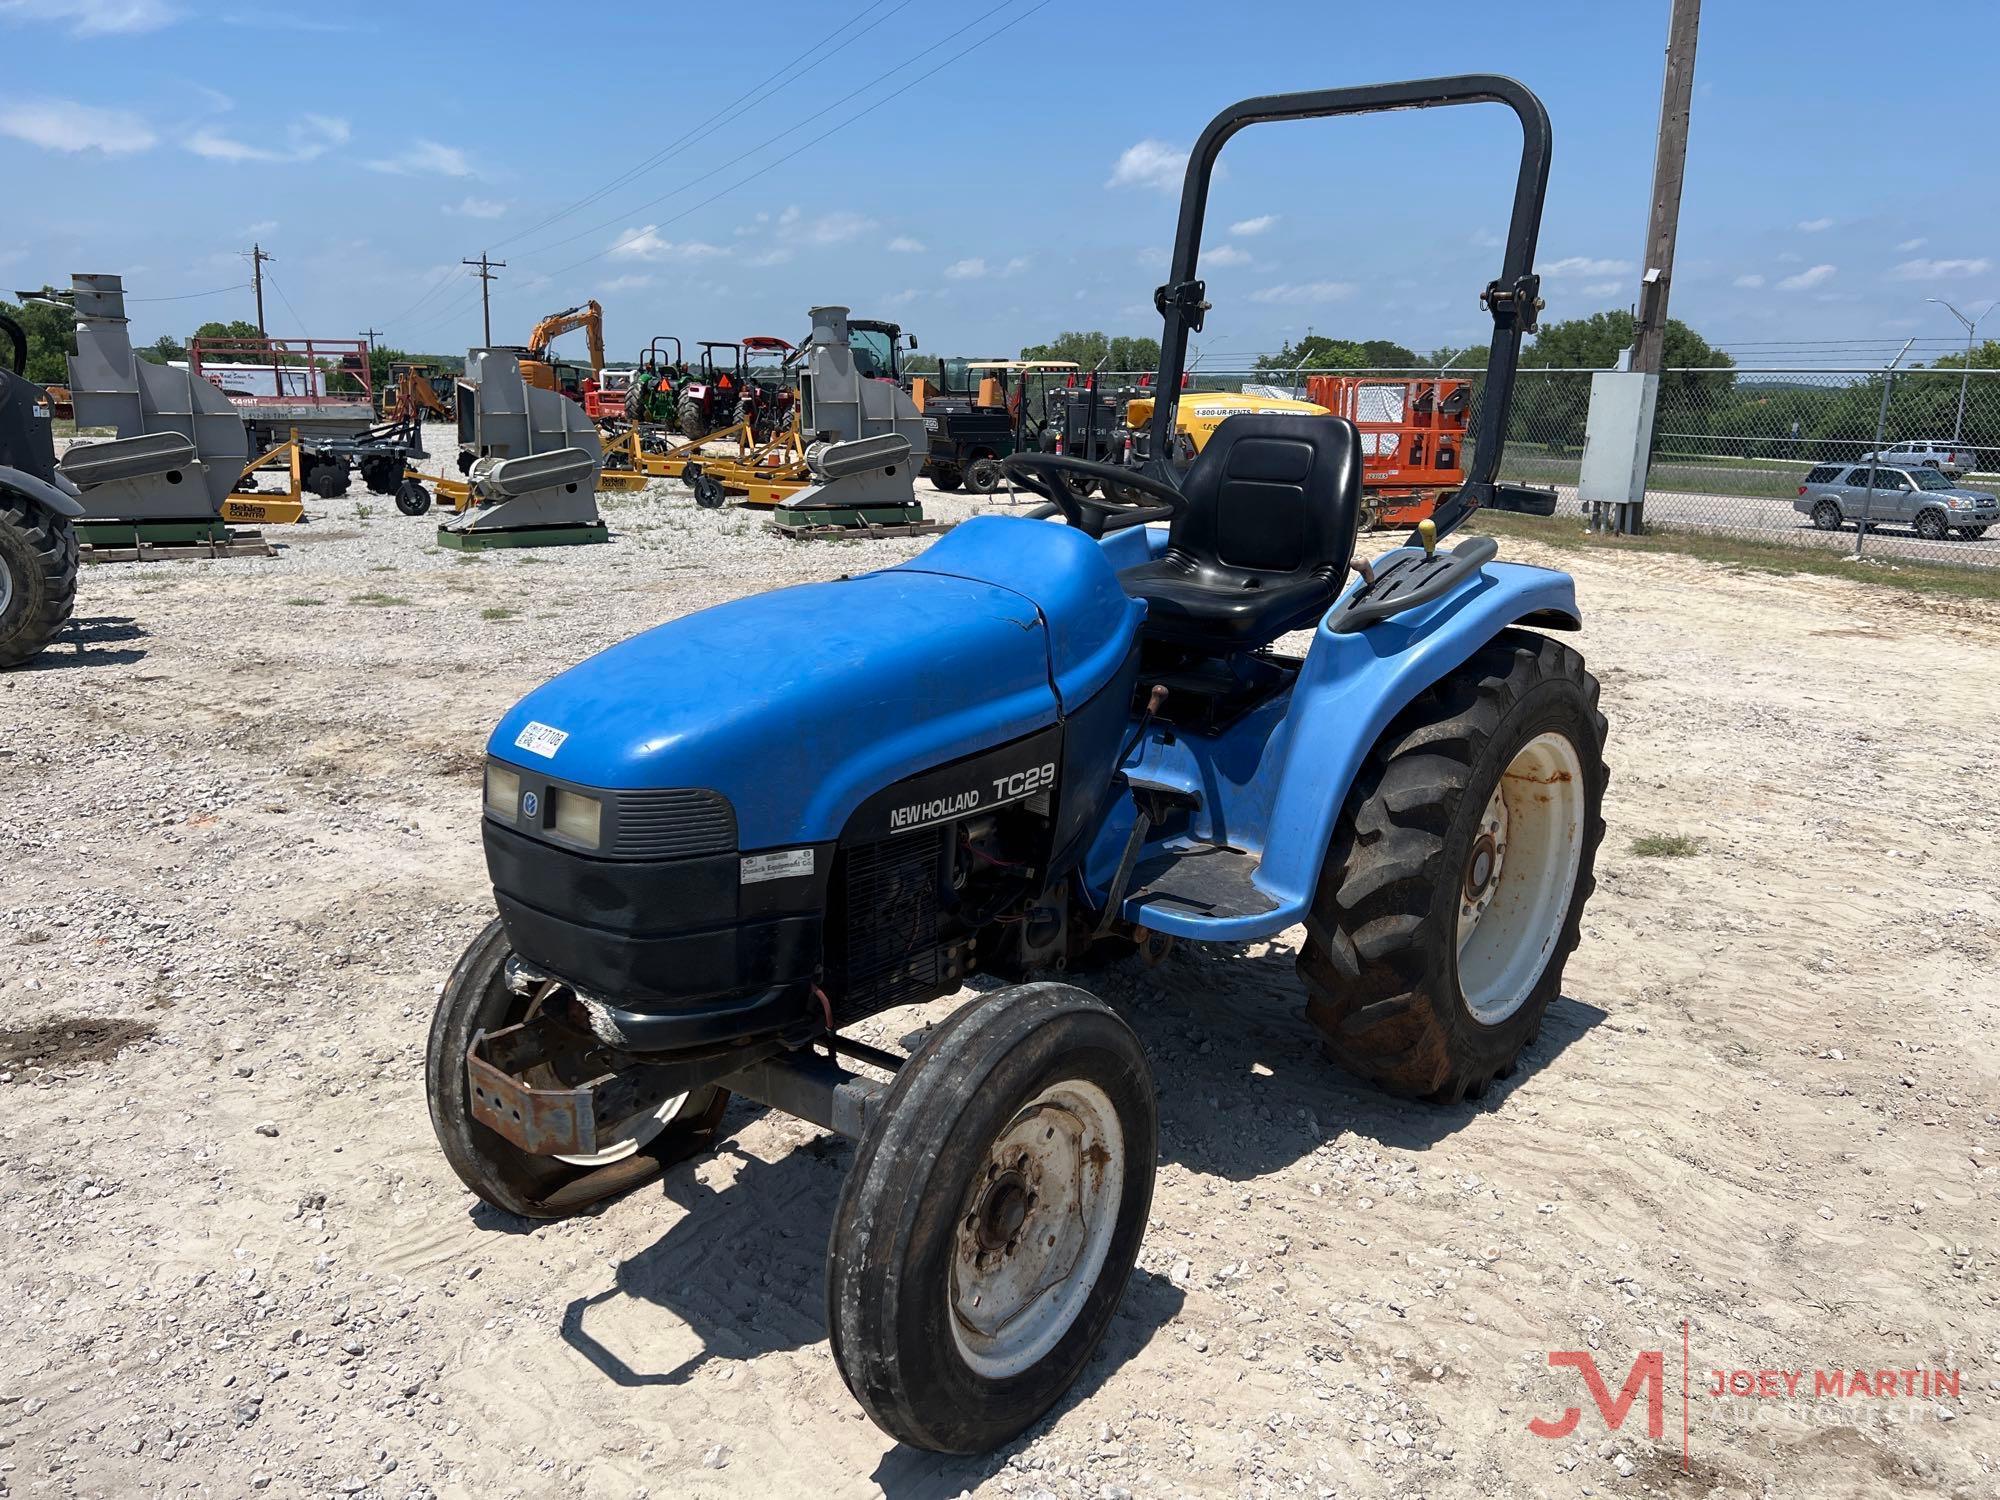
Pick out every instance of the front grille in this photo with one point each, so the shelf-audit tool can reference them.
(681, 823)
(883, 942)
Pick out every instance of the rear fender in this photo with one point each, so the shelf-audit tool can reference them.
(1348, 691)
(50, 497)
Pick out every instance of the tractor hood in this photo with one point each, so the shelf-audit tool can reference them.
(798, 703)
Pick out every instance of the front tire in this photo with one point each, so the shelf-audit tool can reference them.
(991, 1220)
(1454, 888)
(38, 565)
(476, 998)
(1931, 526)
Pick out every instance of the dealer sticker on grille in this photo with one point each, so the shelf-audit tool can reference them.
(543, 739)
(781, 864)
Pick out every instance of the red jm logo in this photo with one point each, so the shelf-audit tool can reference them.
(1648, 1373)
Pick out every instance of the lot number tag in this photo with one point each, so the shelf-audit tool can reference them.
(542, 739)
(782, 865)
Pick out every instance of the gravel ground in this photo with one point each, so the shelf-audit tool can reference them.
(244, 856)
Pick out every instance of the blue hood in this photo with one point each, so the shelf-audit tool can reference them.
(798, 703)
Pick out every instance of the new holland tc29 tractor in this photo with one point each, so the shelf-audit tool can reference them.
(1033, 745)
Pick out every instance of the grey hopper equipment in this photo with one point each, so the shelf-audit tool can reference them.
(180, 446)
(866, 438)
(532, 457)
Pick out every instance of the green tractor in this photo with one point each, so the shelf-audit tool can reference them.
(653, 396)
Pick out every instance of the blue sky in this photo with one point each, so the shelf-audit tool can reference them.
(987, 173)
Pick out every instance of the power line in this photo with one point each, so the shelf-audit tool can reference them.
(189, 296)
(442, 280)
(288, 307)
(775, 82)
(805, 145)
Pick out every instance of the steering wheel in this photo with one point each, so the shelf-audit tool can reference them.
(1093, 515)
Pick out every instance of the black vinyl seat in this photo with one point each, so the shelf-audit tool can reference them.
(1263, 547)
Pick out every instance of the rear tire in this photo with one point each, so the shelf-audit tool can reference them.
(1502, 760)
(688, 417)
(984, 476)
(38, 565)
(476, 998)
(991, 1220)
(1826, 516)
(947, 479)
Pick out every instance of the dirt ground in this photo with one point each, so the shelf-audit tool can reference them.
(241, 854)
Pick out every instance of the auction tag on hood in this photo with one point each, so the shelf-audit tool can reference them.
(543, 739)
(781, 864)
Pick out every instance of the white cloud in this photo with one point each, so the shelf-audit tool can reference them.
(1811, 276)
(262, 226)
(647, 244)
(1015, 266)
(902, 244)
(1601, 288)
(477, 208)
(425, 158)
(1152, 257)
(1940, 270)
(307, 138)
(1750, 281)
(1248, 227)
(1813, 226)
(838, 228)
(1584, 265)
(902, 299)
(1304, 292)
(1486, 239)
(94, 17)
(970, 269)
(1916, 244)
(632, 281)
(65, 125)
(775, 257)
(1226, 255)
(1151, 163)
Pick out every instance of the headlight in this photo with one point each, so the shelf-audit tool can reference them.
(577, 816)
(503, 792)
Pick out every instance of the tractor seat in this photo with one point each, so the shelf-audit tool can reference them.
(1263, 547)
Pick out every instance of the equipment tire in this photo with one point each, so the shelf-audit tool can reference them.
(947, 478)
(1931, 525)
(382, 475)
(1012, 1162)
(1386, 976)
(38, 566)
(1826, 516)
(412, 499)
(984, 475)
(688, 417)
(476, 998)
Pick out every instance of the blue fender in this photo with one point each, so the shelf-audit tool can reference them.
(1274, 783)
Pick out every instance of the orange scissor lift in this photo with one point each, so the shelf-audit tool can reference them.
(1412, 439)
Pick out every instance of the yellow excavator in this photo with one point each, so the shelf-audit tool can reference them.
(538, 369)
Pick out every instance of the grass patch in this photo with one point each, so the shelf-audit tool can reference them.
(498, 612)
(1666, 845)
(1568, 533)
(304, 603)
(379, 601)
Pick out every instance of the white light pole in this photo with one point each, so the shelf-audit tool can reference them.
(1965, 378)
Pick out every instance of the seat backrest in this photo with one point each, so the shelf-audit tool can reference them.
(1273, 496)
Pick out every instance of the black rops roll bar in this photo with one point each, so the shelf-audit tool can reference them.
(1513, 299)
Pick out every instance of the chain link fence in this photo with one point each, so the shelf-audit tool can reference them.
(1733, 448)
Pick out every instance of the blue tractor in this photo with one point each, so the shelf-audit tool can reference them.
(1034, 747)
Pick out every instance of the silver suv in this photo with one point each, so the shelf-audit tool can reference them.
(1927, 453)
(1837, 495)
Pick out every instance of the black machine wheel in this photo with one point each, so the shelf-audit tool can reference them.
(984, 475)
(708, 491)
(690, 418)
(1826, 515)
(1931, 525)
(328, 478)
(1458, 872)
(992, 1217)
(412, 499)
(38, 564)
(947, 478)
(382, 475)
(476, 998)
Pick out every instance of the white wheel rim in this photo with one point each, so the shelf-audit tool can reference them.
(633, 1132)
(1514, 894)
(1035, 1228)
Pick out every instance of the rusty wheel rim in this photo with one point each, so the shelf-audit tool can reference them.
(1034, 1228)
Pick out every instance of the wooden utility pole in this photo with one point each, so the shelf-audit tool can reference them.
(1669, 169)
(371, 334)
(486, 270)
(257, 259)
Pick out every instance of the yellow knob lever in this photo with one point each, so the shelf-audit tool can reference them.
(1427, 533)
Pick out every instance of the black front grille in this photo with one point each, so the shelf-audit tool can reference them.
(676, 824)
(883, 941)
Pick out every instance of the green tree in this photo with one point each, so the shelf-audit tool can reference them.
(1322, 352)
(164, 350)
(51, 335)
(1095, 348)
(1552, 410)
(235, 328)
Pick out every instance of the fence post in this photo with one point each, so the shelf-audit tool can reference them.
(1881, 428)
